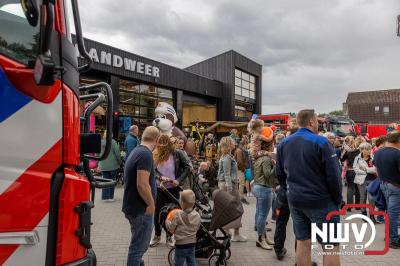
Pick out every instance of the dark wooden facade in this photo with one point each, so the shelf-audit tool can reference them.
(222, 68)
(210, 81)
(375, 107)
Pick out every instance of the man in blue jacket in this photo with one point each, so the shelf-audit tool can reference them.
(307, 166)
(132, 140)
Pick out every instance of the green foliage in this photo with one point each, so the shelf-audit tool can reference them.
(336, 112)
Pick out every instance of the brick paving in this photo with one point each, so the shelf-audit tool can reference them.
(111, 237)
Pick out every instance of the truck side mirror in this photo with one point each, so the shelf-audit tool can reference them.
(44, 71)
(31, 11)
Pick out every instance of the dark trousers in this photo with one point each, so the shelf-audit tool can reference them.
(108, 193)
(352, 189)
(162, 200)
(280, 230)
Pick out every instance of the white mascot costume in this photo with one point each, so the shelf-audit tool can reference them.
(166, 118)
(165, 121)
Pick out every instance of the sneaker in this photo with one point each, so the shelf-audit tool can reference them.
(170, 241)
(248, 194)
(155, 241)
(281, 254)
(239, 238)
(394, 244)
(380, 220)
(251, 194)
(244, 201)
(273, 220)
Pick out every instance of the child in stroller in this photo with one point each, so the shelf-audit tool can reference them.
(212, 242)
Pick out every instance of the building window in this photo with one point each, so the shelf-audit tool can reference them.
(137, 102)
(377, 108)
(240, 111)
(245, 84)
(386, 110)
(243, 110)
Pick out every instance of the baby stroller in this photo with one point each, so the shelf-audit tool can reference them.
(120, 174)
(213, 243)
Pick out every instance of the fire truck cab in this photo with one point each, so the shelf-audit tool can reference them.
(339, 125)
(46, 187)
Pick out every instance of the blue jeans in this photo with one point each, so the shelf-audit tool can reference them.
(264, 202)
(141, 228)
(392, 196)
(304, 217)
(185, 254)
(273, 216)
(108, 193)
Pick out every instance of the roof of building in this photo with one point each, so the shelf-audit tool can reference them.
(368, 97)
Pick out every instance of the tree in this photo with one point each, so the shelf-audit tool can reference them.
(336, 112)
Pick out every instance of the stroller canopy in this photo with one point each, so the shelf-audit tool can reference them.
(227, 208)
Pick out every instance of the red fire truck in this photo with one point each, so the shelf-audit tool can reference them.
(375, 130)
(45, 200)
(279, 120)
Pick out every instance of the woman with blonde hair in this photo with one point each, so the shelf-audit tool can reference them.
(228, 180)
(365, 173)
(172, 170)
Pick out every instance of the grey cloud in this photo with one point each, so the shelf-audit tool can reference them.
(313, 52)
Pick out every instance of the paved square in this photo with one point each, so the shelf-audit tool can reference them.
(111, 237)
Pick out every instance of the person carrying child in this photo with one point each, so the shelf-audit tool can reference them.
(259, 134)
(185, 224)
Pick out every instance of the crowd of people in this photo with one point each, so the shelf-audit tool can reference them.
(299, 172)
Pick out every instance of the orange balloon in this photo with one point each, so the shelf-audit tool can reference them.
(171, 214)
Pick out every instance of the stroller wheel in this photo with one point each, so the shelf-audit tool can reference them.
(228, 254)
(215, 260)
(171, 257)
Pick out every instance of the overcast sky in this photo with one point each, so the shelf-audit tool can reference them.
(313, 52)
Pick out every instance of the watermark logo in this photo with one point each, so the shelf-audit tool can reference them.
(355, 226)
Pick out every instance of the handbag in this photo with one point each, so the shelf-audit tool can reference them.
(248, 175)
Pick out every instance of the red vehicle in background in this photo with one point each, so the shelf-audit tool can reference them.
(341, 126)
(279, 120)
(374, 130)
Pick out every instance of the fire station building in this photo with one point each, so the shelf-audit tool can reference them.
(224, 87)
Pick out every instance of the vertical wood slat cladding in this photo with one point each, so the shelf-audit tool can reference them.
(222, 68)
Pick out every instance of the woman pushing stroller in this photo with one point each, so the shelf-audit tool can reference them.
(172, 168)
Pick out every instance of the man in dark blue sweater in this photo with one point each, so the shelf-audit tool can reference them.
(307, 166)
(387, 162)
